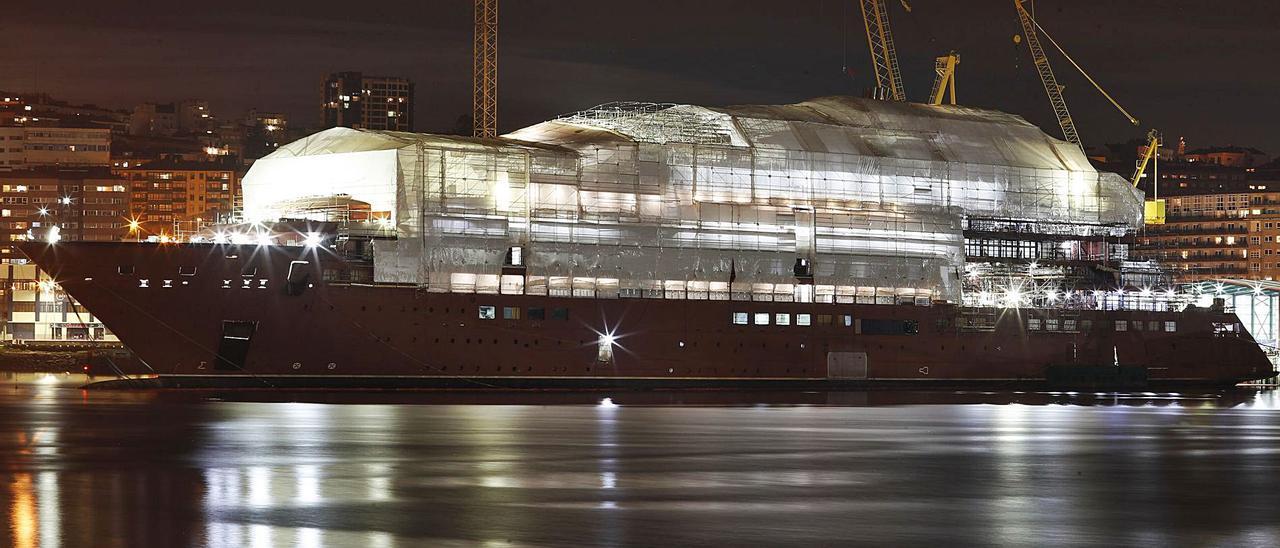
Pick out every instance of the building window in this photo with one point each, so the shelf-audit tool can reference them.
(487, 313)
(1170, 327)
(1033, 324)
(537, 313)
(762, 318)
(782, 318)
(824, 319)
(741, 318)
(804, 319)
(510, 313)
(1068, 325)
(1051, 324)
(1122, 325)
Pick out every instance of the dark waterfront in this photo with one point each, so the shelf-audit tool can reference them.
(657, 469)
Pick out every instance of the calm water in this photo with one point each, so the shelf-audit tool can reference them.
(151, 469)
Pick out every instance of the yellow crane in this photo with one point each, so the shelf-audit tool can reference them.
(1153, 209)
(1051, 87)
(883, 55)
(484, 70)
(944, 81)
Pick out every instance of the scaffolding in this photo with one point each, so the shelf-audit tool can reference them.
(836, 199)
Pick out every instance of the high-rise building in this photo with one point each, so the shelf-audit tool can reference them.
(88, 204)
(36, 310)
(172, 197)
(154, 119)
(23, 147)
(354, 100)
(83, 204)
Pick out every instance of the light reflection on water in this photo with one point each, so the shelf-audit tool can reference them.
(803, 469)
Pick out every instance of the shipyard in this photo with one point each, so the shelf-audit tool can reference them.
(840, 272)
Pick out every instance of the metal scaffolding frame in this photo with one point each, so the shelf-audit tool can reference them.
(836, 199)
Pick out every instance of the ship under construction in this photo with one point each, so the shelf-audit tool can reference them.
(838, 242)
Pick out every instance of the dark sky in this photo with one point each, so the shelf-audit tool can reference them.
(1206, 70)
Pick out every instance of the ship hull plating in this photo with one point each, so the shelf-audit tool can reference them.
(265, 317)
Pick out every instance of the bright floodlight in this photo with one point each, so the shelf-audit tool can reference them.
(1013, 297)
(44, 211)
(219, 237)
(313, 239)
(54, 234)
(264, 238)
(607, 339)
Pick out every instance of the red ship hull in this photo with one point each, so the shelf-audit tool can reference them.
(208, 315)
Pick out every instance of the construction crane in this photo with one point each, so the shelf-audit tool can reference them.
(944, 81)
(1153, 209)
(1051, 87)
(1047, 78)
(484, 70)
(883, 56)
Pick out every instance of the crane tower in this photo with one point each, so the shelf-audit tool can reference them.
(484, 70)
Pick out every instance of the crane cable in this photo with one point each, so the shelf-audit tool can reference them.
(1104, 93)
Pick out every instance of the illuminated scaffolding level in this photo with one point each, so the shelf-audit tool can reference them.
(833, 199)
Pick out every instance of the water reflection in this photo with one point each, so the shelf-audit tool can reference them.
(181, 469)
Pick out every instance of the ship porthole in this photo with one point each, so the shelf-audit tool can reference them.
(297, 365)
(332, 365)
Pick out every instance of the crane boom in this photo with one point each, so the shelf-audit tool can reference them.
(484, 70)
(883, 55)
(1153, 145)
(1051, 87)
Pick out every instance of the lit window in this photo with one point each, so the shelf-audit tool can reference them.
(487, 313)
(1122, 325)
(782, 318)
(510, 313)
(762, 318)
(1069, 325)
(847, 320)
(804, 319)
(741, 318)
(1033, 324)
(1051, 324)
(1170, 327)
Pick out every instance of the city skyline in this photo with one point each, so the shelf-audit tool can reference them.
(562, 57)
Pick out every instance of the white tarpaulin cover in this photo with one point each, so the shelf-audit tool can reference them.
(682, 199)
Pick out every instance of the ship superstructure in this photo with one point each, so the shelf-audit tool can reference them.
(836, 199)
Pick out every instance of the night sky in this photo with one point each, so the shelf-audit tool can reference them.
(1204, 70)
